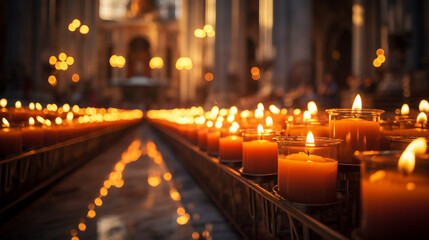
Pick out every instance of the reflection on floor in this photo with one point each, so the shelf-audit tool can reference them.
(135, 190)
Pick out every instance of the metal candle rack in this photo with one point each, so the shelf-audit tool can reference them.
(23, 175)
(250, 205)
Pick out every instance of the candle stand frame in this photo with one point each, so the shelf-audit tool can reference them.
(26, 174)
(250, 205)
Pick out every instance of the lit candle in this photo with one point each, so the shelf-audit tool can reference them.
(358, 128)
(230, 145)
(395, 194)
(259, 152)
(10, 139)
(19, 114)
(307, 172)
(213, 139)
(32, 136)
(4, 112)
(202, 135)
(301, 128)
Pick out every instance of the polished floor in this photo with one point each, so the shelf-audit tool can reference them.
(136, 189)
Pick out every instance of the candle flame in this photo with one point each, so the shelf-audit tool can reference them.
(261, 106)
(38, 106)
(245, 114)
(215, 110)
(422, 118)
(31, 106)
(233, 129)
(3, 102)
(259, 113)
(407, 160)
(312, 107)
(357, 104)
(220, 119)
(235, 124)
(70, 116)
(66, 107)
(31, 121)
(218, 125)
(260, 129)
(233, 110)
(40, 119)
(310, 139)
(424, 106)
(269, 121)
(48, 122)
(58, 120)
(5, 122)
(18, 104)
(306, 116)
(200, 120)
(209, 124)
(230, 118)
(274, 109)
(296, 111)
(405, 109)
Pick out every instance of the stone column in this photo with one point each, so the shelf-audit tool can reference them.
(358, 48)
(238, 51)
(281, 41)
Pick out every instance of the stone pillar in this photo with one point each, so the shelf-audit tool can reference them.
(222, 54)
(184, 47)
(238, 65)
(281, 41)
(358, 48)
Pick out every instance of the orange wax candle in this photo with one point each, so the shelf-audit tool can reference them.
(32, 136)
(307, 178)
(212, 141)
(202, 138)
(357, 134)
(230, 148)
(394, 206)
(10, 141)
(259, 157)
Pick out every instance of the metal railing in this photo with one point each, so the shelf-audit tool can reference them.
(23, 175)
(251, 205)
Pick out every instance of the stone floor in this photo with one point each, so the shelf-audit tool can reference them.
(151, 197)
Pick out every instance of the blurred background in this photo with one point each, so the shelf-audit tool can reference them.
(171, 53)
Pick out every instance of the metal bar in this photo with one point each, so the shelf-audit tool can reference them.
(260, 201)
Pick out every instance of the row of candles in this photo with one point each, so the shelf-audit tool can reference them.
(31, 127)
(304, 150)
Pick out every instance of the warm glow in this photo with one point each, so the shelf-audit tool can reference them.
(18, 104)
(64, 66)
(154, 180)
(40, 119)
(269, 121)
(236, 125)
(310, 139)
(180, 211)
(208, 28)
(3, 102)
(407, 162)
(274, 109)
(306, 116)
(296, 111)
(422, 118)
(380, 52)
(38, 106)
(84, 29)
(233, 110)
(424, 106)
(199, 33)
(218, 125)
(70, 60)
(103, 191)
(182, 220)
(58, 120)
(405, 109)
(156, 62)
(195, 235)
(66, 107)
(312, 107)
(256, 77)
(52, 80)
(5, 122)
(230, 118)
(208, 76)
(52, 60)
(31, 106)
(69, 116)
(75, 77)
(357, 104)
(245, 114)
(381, 58)
(76, 23)
(254, 71)
(376, 63)
(31, 121)
(71, 28)
(91, 214)
(211, 34)
(167, 176)
(260, 129)
(260, 106)
(48, 122)
(233, 129)
(62, 56)
(184, 63)
(209, 124)
(259, 113)
(82, 227)
(175, 195)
